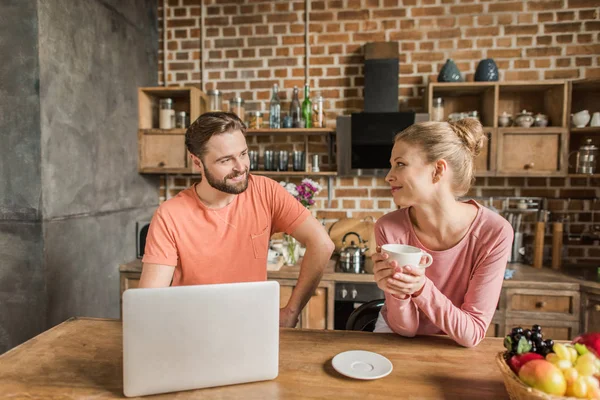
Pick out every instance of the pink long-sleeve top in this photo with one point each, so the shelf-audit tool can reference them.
(462, 285)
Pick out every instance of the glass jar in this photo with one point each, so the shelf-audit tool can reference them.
(181, 120)
(166, 117)
(586, 158)
(318, 114)
(255, 120)
(215, 100)
(236, 106)
(437, 110)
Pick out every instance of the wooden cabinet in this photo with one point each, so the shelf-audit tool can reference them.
(584, 94)
(163, 150)
(590, 310)
(557, 311)
(531, 151)
(513, 151)
(318, 313)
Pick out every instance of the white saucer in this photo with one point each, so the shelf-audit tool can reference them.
(359, 364)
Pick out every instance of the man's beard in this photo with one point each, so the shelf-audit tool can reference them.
(225, 187)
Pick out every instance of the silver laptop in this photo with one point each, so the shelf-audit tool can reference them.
(192, 337)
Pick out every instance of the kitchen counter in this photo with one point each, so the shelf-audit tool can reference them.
(544, 278)
(82, 358)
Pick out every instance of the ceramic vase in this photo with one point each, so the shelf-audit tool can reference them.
(450, 73)
(487, 71)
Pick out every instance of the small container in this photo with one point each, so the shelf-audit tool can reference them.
(236, 106)
(255, 120)
(505, 120)
(287, 121)
(315, 163)
(181, 120)
(318, 114)
(166, 115)
(215, 100)
(540, 120)
(525, 119)
(437, 110)
(586, 158)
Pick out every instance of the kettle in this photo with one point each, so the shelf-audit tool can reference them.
(352, 258)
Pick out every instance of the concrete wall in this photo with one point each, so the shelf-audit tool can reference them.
(69, 190)
(93, 56)
(22, 297)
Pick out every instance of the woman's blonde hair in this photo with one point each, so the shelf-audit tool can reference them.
(456, 142)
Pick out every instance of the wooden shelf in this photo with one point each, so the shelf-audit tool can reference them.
(587, 129)
(290, 131)
(177, 131)
(532, 130)
(584, 175)
(159, 170)
(294, 173)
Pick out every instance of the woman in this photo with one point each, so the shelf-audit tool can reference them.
(431, 165)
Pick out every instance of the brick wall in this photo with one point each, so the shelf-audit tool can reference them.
(252, 44)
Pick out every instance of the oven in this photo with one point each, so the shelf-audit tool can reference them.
(351, 295)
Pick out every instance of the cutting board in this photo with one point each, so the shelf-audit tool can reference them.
(364, 227)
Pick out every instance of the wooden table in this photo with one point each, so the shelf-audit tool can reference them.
(82, 358)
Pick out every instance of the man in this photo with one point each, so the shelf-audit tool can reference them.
(218, 230)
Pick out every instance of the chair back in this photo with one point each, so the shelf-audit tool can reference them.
(365, 316)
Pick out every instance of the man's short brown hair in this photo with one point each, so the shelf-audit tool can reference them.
(207, 125)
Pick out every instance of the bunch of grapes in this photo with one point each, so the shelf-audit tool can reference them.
(521, 341)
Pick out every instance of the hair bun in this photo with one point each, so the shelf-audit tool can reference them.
(470, 131)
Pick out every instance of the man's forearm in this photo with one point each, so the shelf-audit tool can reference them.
(311, 271)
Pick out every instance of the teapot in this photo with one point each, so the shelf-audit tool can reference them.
(525, 119)
(352, 258)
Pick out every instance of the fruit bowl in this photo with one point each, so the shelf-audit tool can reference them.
(517, 390)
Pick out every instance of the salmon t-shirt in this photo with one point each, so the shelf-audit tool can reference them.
(224, 245)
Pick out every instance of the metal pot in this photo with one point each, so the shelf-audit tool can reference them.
(352, 258)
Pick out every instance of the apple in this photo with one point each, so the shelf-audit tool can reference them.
(518, 360)
(591, 341)
(544, 376)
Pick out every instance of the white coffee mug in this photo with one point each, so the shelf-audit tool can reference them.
(404, 254)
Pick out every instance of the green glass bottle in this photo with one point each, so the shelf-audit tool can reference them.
(307, 108)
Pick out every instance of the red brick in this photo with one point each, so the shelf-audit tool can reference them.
(562, 39)
(543, 51)
(562, 74)
(261, 30)
(220, 43)
(526, 18)
(544, 5)
(327, 38)
(565, 16)
(353, 15)
(262, 41)
(521, 75)
(524, 41)
(543, 63)
(321, 60)
(406, 35)
(282, 62)
(505, 7)
(427, 56)
(335, 49)
(320, 16)
(583, 61)
(425, 46)
(560, 28)
(587, 14)
(465, 44)
(177, 23)
(178, 66)
(232, 54)
(445, 33)
(584, 49)
(583, 3)
(216, 21)
(464, 9)
(251, 53)
(584, 38)
(563, 62)
(426, 11)
(485, 20)
(543, 40)
(509, 53)
(288, 17)
(490, 31)
(504, 42)
(466, 55)
(485, 43)
(545, 17)
(592, 26)
(521, 30)
(522, 64)
(394, 13)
